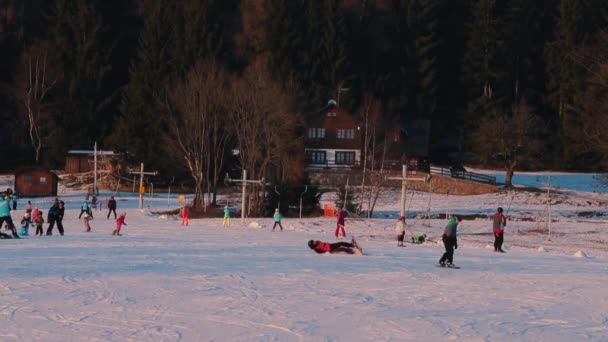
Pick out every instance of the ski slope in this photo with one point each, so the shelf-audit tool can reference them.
(165, 282)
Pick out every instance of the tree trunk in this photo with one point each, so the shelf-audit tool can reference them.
(509, 177)
(199, 199)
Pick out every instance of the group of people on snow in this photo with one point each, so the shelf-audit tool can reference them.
(35, 217)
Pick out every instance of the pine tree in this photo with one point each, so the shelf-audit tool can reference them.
(142, 109)
(564, 74)
(422, 24)
(83, 48)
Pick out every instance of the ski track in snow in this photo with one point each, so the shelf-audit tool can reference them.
(164, 282)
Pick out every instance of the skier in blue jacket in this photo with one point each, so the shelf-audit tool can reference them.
(5, 213)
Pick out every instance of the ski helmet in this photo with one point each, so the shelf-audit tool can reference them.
(311, 244)
(500, 210)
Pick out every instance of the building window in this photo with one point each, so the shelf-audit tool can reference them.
(27, 179)
(317, 157)
(345, 158)
(316, 133)
(346, 133)
(43, 180)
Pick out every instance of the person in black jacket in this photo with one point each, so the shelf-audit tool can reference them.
(111, 207)
(56, 213)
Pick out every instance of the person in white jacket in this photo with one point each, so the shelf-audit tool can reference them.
(400, 230)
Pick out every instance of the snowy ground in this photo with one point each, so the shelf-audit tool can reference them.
(164, 282)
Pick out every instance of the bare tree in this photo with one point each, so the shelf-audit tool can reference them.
(264, 128)
(509, 137)
(194, 105)
(36, 83)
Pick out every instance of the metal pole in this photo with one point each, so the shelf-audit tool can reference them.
(141, 185)
(243, 196)
(403, 183)
(133, 183)
(95, 169)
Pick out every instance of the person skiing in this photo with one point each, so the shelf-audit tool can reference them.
(35, 214)
(55, 215)
(226, 222)
(5, 213)
(25, 225)
(86, 220)
(184, 213)
(277, 219)
(28, 208)
(39, 221)
(111, 207)
(84, 208)
(450, 242)
(499, 221)
(400, 230)
(119, 222)
(337, 247)
(340, 224)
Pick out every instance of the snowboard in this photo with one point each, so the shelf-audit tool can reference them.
(456, 267)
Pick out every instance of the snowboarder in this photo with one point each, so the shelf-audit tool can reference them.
(25, 225)
(340, 223)
(499, 221)
(450, 242)
(400, 230)
(337, 247)
(119, 222)
(185, 214)
(226, 222)
(277, 219)
(5, 213)
(111, 207)
(39, 221)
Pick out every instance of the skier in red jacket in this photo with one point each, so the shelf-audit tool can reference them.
(499, 221)
(340, 223)
(119, 222)
(337, 247)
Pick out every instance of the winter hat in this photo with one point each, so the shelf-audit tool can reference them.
(276, 210)
(311, 244)
(499, 210)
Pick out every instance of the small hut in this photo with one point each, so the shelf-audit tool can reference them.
(36, 181)
(78, 161)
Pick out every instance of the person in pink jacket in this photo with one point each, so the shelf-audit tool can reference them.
(185, 215)
(340, 223)
(119, 222)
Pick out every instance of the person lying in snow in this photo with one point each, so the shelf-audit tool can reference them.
(419, 239)
(337, 247)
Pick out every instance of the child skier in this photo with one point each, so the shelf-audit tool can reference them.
(340, 223)
(419, 239)
(400, 230)
(226, 222)
(119, 222)
(277, 219)
(499, 221)
(84, 208)
(86, 219)
(337, 247)
(184, 213)
(25, 225)
(38, 221)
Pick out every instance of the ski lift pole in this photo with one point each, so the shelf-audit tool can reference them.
(243, 182)
(169, 190)
(404, 180)
(278, 194)
(302, 194)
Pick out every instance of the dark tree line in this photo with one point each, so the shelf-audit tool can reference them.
(107, 68)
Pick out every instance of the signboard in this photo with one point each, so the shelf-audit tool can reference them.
(181, 199)
(142, 189)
